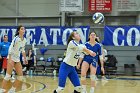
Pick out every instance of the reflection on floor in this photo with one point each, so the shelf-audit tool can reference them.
(46, 84)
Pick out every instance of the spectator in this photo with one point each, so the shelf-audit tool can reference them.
(4, 47)
(31, 60)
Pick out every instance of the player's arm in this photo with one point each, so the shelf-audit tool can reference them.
(12, 45)
(24, 54)
(101, 58)
(81, 48)
(80, 60)
(87, 51)
(11, 48)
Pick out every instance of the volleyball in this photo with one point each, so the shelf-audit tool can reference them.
(98, 18)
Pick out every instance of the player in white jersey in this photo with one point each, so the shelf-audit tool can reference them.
(67, 68)
(17, 46)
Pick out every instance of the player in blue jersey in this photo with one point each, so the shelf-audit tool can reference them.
(90, 62)
(67, 68)
(17, 46)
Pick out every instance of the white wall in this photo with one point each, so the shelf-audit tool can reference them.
(30, 7)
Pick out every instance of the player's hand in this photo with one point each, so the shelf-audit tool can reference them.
(92, 53)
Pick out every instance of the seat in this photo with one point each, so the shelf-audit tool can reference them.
(49, 65)
(59, 60)
(39, 69)
(40, 66)
(111, 65)
(50, 61)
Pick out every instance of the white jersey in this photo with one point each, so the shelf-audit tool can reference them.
(73, 52)
(17, 46)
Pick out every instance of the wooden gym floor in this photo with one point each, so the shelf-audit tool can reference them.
(46, 84)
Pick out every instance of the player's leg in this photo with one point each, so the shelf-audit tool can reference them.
(18, 69)
(63, 73)
(8, 73)
(73, 76)
(18, 81)
(84, 69)
(93, 76)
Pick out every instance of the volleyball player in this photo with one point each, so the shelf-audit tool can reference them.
(67, 68)
(17, 45)
(90, 62)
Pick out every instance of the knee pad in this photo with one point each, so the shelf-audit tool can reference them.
(78, 88)
(83, 77)
(59, 89)
(7, 77)
(93, 77)
(20, 78)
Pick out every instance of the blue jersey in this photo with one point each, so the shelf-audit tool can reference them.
(4, 47)
(96, 48)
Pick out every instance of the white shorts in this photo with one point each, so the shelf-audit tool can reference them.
(14, 58)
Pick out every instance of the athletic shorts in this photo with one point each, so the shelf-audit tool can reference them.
(91, 61)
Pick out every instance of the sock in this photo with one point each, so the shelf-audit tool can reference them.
(59, 89)
(92, 90)
(83, 87)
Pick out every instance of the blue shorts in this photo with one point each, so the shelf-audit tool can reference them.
(65, 71)
(91, 61)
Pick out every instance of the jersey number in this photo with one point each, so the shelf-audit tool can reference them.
(76, 56)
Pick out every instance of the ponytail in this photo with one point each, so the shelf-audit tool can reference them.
(70, 37)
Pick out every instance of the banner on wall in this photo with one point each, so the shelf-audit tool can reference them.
(122, 36)
(100, 5)
(72, 5)
(46, 35)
